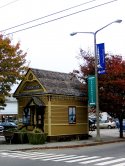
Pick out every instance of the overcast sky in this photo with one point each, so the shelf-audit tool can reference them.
(49, 46)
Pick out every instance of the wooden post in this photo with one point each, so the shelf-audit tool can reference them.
(49, 115)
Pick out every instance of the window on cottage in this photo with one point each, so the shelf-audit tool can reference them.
(72, 115)
(26, 116)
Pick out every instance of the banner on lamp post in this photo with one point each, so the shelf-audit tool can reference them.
(91, 91)
(101, 58)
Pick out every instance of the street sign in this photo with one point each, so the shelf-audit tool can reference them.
(91, 91)
(101, 58)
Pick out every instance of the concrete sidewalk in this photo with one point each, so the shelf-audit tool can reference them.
(107, 136)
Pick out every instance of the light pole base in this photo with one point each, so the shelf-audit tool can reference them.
(98, 138)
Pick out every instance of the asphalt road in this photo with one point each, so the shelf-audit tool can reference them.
(100, 155)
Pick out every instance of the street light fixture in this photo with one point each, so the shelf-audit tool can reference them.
(96, 72)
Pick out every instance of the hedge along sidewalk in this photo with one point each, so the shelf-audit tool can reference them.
(23, 136)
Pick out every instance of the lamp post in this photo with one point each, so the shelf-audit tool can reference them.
(96, 72)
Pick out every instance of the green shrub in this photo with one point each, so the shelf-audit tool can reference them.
(20, 138)
(36, 138)
(37, 130)
(33, 137)
(23, 137)
(12, 129)
(23, 129)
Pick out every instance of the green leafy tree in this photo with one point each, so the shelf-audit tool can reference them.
(111, 84)
(12, 66)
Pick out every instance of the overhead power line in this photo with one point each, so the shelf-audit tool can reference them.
(52, 20)
(8, 3)
(48, 15)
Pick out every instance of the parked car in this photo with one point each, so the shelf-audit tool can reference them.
(118, 125)
(8, 125)
(106, 124)
(92, 118)
(1, 128)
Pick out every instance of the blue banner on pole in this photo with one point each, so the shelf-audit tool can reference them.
(101, 58)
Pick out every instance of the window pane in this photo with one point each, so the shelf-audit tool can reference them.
(26, 116)
(72, 115)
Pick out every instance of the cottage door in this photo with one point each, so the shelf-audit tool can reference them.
(40, 118)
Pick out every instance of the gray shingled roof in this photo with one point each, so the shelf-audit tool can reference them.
(59, 83)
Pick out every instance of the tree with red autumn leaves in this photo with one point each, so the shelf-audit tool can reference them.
(111, 85)
(12, 66)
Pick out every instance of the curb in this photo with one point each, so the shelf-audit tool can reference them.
(71, 146)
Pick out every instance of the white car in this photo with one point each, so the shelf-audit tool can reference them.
(106, 124)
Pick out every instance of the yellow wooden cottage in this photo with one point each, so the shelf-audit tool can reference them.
(54, 102)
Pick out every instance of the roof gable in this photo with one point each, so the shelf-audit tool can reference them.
(59, 83)
(52, 82)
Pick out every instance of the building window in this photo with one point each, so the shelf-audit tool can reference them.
(72, 115)
(26, 116)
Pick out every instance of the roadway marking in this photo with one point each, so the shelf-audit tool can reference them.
(95, 160)
(68, 158)
(81, 160)
(34, 156)
(111, 162)
(121, 164)
(61, 158)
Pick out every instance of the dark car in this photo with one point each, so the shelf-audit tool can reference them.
(8, 125)
(91, 124)
(1, 128)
